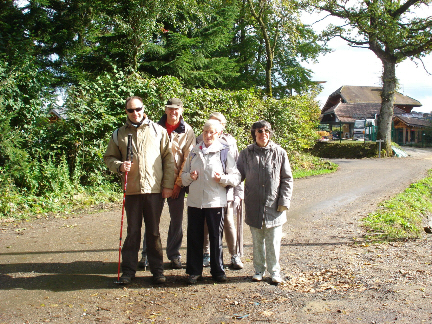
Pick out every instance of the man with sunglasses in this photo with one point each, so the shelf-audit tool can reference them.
(150, 179)
(182, 139)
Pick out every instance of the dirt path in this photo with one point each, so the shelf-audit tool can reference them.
(62, 270)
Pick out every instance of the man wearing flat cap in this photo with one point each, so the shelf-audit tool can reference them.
(182, 140)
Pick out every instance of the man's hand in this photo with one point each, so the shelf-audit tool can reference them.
(166, 193)
(176, 192)
(125, 166)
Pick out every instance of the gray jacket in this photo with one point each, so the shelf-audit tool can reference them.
(269, 184)
(205, 192)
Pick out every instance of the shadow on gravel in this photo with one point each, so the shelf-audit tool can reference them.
(26, 278)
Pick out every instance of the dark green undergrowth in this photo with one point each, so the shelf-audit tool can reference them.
(68, 197)
(345, 150)
(401, 217)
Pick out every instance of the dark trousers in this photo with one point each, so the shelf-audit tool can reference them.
(195, 239)
(149, 208)
(175, 231)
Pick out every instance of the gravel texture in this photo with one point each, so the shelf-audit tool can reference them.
(63, 269)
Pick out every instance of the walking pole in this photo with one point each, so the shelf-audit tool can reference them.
(129, 157)
(239, 240)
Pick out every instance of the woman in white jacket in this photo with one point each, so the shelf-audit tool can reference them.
(208, 170)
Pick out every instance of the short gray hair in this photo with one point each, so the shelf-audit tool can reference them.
(218, 116)
(212, 123)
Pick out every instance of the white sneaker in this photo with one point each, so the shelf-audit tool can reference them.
(276, 279)
(258, 276)
(236, 262)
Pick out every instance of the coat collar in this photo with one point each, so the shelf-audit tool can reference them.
(181, 128)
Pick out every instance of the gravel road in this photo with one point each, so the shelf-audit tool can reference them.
(63, 269)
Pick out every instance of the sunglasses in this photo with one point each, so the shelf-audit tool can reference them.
(263, 130)
(132, 110)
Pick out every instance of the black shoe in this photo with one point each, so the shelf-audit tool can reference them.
(176, 263)
(126, 279)
(159, 279)
(193, 279)
(143, 263)
(220, 278)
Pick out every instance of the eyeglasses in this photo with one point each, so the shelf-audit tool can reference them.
(263, 130)
(132, 110)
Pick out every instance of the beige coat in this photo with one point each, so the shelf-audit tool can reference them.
(153, 164)
(182, 142)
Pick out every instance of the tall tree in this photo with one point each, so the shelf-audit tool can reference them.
(286, 41)
(390, 29)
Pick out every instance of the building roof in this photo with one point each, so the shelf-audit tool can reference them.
(414, 122)
(59, 113)
(367, 94)
(348, 113)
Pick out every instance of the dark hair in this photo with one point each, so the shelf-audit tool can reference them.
(131, 98)
(258, 125)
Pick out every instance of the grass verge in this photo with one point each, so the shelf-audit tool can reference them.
(402, 216)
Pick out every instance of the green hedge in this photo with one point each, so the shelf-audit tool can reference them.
(347, 150)
(51, 162)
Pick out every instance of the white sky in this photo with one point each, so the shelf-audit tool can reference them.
(360, 67)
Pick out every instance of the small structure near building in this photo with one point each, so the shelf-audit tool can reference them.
(409, 130)
(57, 114)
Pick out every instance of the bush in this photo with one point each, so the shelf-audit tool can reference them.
(345, 150)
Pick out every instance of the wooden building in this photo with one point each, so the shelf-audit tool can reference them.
(349, 103)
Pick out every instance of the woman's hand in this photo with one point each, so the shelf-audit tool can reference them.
(217, 177)
(194, 175)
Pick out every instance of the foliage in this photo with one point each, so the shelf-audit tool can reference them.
(345, 150)
(66, 156)
(401, 217)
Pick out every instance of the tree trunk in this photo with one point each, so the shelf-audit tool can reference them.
(386, 113)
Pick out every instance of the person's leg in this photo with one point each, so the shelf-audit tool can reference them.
(206, 247)
(143, 263)
(152, 212)
(273, 238)
(175, 231)
(258, 249)
(215, 220)
(229, 228)
(134, 213)
(195, 238)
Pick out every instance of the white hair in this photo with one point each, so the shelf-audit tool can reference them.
(213, 123)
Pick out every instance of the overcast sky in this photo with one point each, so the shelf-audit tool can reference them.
(360, 67)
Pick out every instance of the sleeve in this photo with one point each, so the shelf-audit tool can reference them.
(185, 175)
(189, 145)
(167, 161)
(232, 176)
(286, 182)
(241, 165)
(113, 157)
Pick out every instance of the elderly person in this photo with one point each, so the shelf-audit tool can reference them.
(182, 140)
(268, 191)
(208, 170)
(232, 214)
(151, 179)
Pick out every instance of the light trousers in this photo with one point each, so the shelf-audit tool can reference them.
(266, 248)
